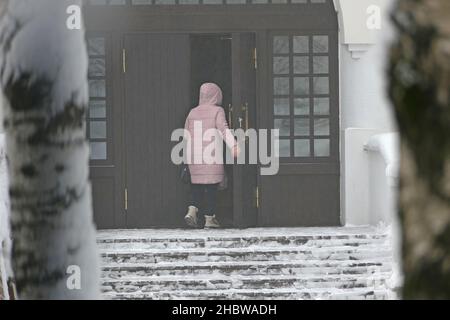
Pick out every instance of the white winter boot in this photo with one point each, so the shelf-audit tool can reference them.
(211, 222)
(191, 217)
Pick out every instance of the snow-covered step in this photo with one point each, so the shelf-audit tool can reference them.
(248, 268)
(235, 238)
(299, 282)
(117, 234)
(307, 242)
(268, 294)
(261, 263)
(245, 254)
(316, 241)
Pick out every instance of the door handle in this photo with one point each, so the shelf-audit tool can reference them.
(240, 122)
(245, 111)
(230, 115)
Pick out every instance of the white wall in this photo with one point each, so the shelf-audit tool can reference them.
(364, 102)
(365, 108)
(355, 177)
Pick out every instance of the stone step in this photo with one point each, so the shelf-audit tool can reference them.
(245, 254)
(188, 238)
(149, 284)
(237, 233)
(242, 242)
(368, 267)
(267, 294)
(260, 263)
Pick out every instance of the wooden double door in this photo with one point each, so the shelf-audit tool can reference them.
(162, 79)
(289, 83)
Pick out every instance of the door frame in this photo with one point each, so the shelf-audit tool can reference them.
(197, 19)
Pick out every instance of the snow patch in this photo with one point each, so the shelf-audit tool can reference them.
(387, 144)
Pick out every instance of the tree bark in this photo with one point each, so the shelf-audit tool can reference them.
(43, 74)
(419, 73)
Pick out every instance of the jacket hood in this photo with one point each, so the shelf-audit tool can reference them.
(210, 94)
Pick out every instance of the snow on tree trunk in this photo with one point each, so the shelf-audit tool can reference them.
(419, 73)
(43, 70)
(5, 240)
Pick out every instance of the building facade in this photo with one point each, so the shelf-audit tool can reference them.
(315, 70)
(311, 68)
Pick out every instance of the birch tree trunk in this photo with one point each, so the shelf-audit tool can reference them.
(43, 74)
(419, 73)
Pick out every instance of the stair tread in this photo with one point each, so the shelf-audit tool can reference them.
(265, 263)
(249, 237)
(353, 291)
(300, 242)
(282, 249)
(263, 291)
(202, 234)
(381, 275)
(246, 263)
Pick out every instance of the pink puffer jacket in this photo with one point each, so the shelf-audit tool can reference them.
(211, 116)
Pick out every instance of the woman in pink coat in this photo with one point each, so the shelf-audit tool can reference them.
(206, 175)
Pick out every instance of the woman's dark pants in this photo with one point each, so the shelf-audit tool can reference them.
(204, 197)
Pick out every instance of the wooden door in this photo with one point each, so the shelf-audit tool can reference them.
(303, 103)
(157, 99)
(244, 117)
